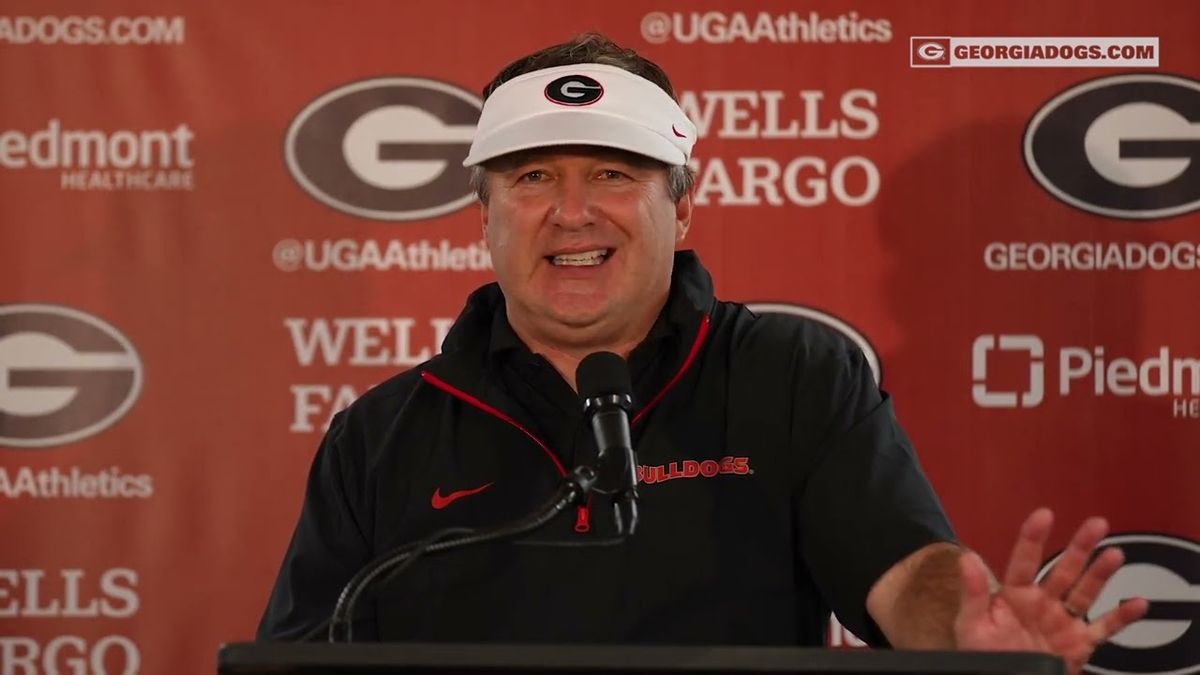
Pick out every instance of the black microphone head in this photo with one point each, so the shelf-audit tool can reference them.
(603, 374)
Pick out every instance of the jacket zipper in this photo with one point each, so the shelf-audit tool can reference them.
(583, 523)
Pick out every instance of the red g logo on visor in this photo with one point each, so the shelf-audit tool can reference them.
(574, 90)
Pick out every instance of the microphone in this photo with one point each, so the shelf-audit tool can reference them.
(603, 382)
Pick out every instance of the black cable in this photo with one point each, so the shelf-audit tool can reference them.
(419, 549)
(577, 484)
(320, 628)
(403, 559)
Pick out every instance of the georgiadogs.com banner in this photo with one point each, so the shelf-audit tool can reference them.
(223, 223)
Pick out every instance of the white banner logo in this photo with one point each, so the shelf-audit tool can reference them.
(1030, 398)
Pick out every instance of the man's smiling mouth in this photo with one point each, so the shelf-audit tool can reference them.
(580, 259)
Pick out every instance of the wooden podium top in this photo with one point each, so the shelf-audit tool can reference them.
(416, 658)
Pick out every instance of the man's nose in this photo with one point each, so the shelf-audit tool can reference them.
(572, 207)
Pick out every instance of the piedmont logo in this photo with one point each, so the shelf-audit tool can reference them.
(387, 148)
(95, 159)
(1160, 375)
(829, 320)
(1164, 569)
(1126, 146)
(64, 375)
(1029, 398)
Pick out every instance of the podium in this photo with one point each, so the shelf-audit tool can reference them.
(428, 658)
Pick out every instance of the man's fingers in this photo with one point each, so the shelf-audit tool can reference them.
(1027, 553)
(1116, 619)
(976, 597)
(1070, 564)
(1098, 573)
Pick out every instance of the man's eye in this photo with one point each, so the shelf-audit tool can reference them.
(532, 176)
(612, 174)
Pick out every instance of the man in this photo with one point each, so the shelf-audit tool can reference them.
(776, 483)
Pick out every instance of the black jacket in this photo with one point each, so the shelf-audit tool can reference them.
(775, 485)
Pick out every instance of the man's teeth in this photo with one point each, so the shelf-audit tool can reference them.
(582, 259)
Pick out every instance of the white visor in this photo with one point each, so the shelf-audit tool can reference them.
(583, 104)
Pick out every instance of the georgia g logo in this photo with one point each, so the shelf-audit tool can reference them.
(1164, 569)
(388, 148)
(574, 90)
(1126, 146)
(929, 52)
(64, 375)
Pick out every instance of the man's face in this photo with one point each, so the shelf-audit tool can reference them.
(582, 239)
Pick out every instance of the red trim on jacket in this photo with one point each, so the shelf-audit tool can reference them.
(687, 363)
(582, 514)
(464, 396)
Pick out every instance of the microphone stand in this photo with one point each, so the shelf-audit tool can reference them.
(573, 489)
(609, 413)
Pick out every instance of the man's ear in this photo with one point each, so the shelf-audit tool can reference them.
(683, 216)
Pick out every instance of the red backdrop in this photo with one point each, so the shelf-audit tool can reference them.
(202, 257)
